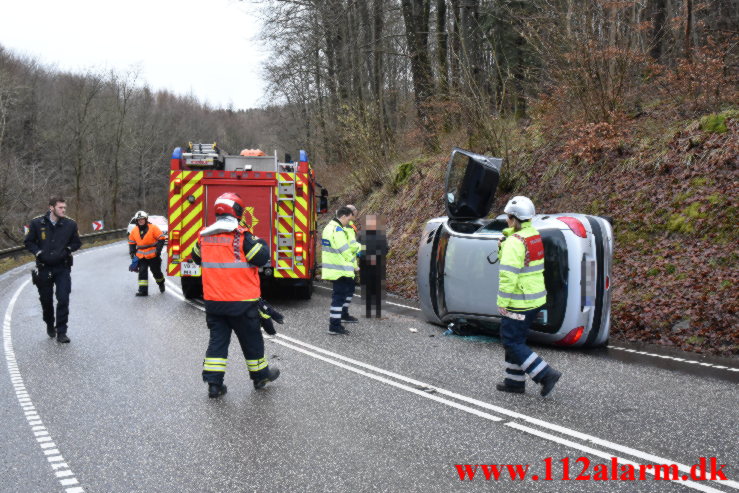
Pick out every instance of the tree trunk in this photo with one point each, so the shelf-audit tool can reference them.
(416, 16)
(441, 46)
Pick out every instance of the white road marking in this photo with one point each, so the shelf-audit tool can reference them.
(642, 353)
(604, 455)
(424, 389)
(54, 458)
(388, 302)
(681, 360)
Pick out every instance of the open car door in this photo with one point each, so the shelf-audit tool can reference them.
(467, 277)
(471, 182)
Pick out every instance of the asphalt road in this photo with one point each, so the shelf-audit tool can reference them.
(394, 406)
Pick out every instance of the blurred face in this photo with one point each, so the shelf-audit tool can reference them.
(59, 209)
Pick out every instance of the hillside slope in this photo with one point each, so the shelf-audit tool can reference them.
(672, 192)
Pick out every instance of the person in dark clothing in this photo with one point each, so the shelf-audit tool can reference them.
(372, 263)
(52, 238)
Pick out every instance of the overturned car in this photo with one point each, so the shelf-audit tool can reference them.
(457, 270)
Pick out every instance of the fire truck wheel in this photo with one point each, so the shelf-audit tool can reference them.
(192, 287)
(304, 292)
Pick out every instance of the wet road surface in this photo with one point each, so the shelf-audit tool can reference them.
(387, 408)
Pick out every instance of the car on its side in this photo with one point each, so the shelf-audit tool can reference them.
(457, 269)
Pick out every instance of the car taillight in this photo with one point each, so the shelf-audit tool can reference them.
(575, 225)
(608, 282)
(572, 337)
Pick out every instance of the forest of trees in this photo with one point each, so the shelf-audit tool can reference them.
(360, 83)
(368, 79)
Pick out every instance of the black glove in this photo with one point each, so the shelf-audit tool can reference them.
(267, 325)
(267, 309)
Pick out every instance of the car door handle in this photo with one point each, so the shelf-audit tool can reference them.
(492, 257)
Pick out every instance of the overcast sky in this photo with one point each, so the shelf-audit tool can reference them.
(204, 47)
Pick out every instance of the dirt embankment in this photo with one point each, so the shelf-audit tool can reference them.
(672, 193)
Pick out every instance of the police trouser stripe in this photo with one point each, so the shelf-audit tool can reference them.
(514, 374)
(535, 366)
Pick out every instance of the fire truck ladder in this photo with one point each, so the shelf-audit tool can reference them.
(286, 241)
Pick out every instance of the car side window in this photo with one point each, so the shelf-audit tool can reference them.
(495, 225)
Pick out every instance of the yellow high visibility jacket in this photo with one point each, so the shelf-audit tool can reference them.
(337, 256)
(521, 281)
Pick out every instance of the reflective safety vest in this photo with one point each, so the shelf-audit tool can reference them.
(354, 245)
(521, 279)
(227, 274)
(337, 256)
(146, 247)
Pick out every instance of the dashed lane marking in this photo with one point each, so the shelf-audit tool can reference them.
(49, 448)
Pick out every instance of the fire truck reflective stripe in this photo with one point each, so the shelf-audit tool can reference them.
(180, 202)
(228, 265)
(523, 270)
(190, 227)
(191, 186)
(349, 268)
(522, 297)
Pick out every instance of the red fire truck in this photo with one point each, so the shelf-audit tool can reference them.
(281, 208)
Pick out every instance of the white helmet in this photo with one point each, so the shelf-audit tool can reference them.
(520, 207)
(141, 215)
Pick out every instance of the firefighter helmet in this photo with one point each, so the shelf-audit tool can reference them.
(141, 215)
(520, 207)
(229, 203)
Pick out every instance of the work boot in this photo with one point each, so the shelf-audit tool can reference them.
(509, 388)
(139, 293)
(338, 330)
(161, 287)
(216, 390)
(273, 374)
(62, 338)
(548, 382)
(51, 330)
(345, 317)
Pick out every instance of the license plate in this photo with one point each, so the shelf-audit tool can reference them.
(189, 269)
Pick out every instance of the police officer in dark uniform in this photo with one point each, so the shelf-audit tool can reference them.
(52, 238)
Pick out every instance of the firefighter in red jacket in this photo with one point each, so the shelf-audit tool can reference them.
(230, 256)
(146, 241)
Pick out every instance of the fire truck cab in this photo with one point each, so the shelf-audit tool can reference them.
(280, 207)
